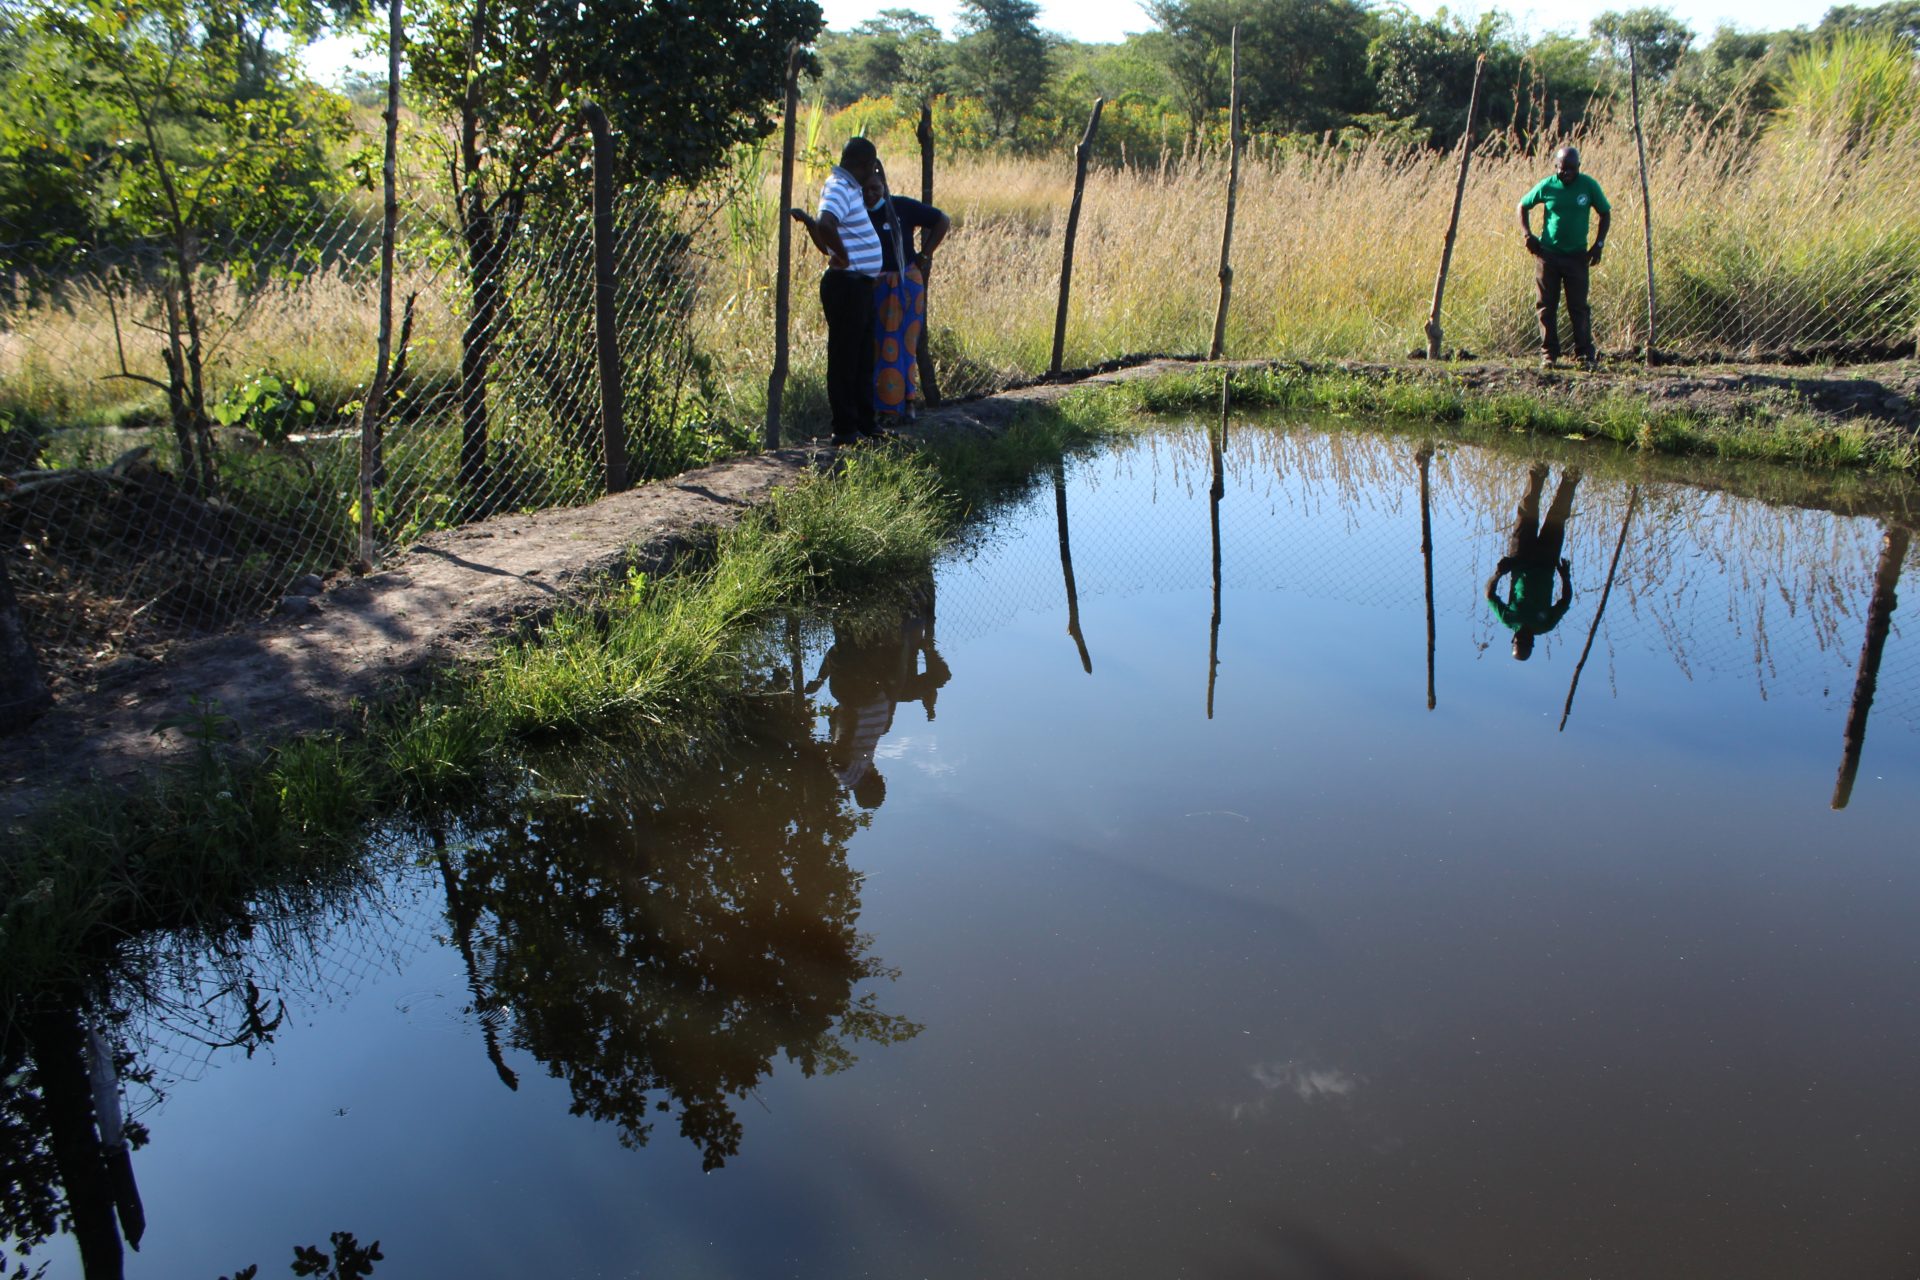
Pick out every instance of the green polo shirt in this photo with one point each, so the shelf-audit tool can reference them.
(1568, 204)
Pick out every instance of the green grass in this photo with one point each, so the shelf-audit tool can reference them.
(657, 662)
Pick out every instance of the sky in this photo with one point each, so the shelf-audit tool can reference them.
(1109, 21)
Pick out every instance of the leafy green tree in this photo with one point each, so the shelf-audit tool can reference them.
(187, 129)
(1001, 59)
(1657, 39)
(1423, 69)
(899, 53)
(513, 75)
(1899, 19)
(1303, 63)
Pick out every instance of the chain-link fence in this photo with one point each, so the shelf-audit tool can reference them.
(131, 519)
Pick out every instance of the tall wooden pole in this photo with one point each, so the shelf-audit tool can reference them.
(371, 411)
(1233, 191)
(1886, 582)
(1453, 219)
(1081, 155)
(606, 325)
(929, 386)
(783, 275)
(23, 690)
(1646, 206)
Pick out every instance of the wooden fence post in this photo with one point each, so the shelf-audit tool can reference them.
(929, 387)
(1453, 220)
(1233, 190)
(783, 276)
(1646, 208)
(371, 411)
(606, 324)
(1081, 154)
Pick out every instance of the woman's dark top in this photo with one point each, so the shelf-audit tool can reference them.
(913, 214)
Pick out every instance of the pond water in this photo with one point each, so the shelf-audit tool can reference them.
(1176, 887)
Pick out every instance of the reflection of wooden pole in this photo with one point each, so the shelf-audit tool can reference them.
(1633, 499)
(1886, 580)
(1081, 155)
(606, 321)
(783, 275)
(461, 916)
(1646, 206)
(929, 387)
(58, 1044)
(1066, 564)
(1453, 221)
(1233, 191)
(1215, 492)
(1425, 455)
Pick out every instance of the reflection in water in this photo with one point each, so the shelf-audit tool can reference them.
(1215, 491)
(1066, 564)
(677, 945)
(1424, 456)
(1606, 592)
(1533, 555)
(873, 666)
(1886, 579)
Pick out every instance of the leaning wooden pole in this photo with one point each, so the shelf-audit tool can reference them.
(783, 275)
(1081, 155)
(1233, 191)
(923, 357)
(1453, 219)
(606, 324)
(371, 411)
(1646, 206)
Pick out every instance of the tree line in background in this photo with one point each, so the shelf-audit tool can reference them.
(1314, 66)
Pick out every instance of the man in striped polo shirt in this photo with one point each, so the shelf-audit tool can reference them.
(845, 233)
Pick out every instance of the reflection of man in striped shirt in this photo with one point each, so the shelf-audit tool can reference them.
(873, 670)
(845, 233)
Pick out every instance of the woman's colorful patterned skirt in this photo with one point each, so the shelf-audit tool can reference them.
(899, 311)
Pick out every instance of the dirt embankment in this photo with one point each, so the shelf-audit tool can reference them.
(456, 592)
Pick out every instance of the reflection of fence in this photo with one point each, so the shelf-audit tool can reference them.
(1723, 587)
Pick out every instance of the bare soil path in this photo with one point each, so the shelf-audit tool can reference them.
(455, 593)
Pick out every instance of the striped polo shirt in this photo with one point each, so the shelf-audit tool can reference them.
(843, 198)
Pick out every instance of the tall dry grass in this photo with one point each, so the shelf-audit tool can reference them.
(1796, 242)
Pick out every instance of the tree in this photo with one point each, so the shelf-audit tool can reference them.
(513, 74)
(1899, 19)
(899, 53)
(1657, 39)
(1303, 63)
(189, 130)
(1002, 59)
(1423, 70)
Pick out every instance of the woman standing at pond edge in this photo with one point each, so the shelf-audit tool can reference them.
(900, 296)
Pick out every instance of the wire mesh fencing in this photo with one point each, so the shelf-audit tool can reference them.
(182, 458)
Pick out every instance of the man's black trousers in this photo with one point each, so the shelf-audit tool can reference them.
(1553, 271)
(847, 299)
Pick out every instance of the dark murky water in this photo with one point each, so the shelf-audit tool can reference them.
(1238, 915)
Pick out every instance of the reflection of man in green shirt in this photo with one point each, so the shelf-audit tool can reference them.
(1533, 553)
(1561, 248)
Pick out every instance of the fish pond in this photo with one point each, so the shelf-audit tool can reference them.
(1317, 853)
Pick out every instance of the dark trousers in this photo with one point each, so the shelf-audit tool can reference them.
(1552, 271)
(847, 299)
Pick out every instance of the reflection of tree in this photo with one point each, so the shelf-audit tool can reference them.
(676, 945)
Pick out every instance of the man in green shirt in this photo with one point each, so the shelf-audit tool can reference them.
(1533, 554)
(1563, 254)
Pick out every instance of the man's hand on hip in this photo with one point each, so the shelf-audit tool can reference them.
(1533, 244)
(1593, 254)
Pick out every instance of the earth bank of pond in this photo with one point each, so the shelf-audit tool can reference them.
(1185, 878)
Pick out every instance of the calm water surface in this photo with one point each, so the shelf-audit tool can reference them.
(1172, 891)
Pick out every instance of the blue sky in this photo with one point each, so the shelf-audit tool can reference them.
(1111, 20)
